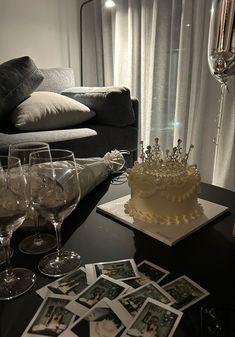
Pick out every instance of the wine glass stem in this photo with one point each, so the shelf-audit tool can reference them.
(6, 245)
(37, 238)
(57, 226)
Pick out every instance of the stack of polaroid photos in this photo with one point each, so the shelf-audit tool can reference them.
(116, 298)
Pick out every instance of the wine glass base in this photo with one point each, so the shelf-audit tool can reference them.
(33, 246)
(51, 265)
(22, 281)
(3, 255)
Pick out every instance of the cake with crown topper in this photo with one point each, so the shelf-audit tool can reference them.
(164, 187)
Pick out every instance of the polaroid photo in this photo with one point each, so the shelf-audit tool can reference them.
(118, 270)
(104, 286)
(148, 271)
(128, 305)
(99, 321)
(185, 292)
(71, 284)
(51, 319)
(154, 319)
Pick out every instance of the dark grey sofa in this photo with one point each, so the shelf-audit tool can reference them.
(89, 139)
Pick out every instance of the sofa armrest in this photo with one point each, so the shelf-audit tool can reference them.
(112, 105)
(135, 106)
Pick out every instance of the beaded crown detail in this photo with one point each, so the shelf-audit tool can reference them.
(154, 154)
(153, 159)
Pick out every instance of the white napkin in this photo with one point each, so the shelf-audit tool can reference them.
(92, 171)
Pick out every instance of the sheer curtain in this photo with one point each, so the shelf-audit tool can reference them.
(158, 48)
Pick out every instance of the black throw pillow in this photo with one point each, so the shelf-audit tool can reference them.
(19, 77)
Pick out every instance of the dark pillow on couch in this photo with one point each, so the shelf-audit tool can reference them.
(112, 104)
(19, 77)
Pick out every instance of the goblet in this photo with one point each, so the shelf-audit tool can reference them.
(39, 242)
(13, 210)
(221, 49)
(221, 56)
(55, 192)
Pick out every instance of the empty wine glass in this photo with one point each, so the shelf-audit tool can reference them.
(39, 242)
(55, 192)
(13, 210)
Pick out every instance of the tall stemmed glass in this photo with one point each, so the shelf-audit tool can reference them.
(221, 58)
(13, 210)
(55, 192)
(39, 242)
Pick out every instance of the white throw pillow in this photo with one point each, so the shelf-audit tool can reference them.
(45, 110)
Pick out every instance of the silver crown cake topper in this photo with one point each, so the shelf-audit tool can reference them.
(153, 155)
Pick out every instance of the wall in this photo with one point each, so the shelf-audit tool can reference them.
(46, 30)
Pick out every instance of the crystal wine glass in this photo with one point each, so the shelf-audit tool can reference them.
(55, 192)
(221, 57)
(13, 210)
(39, 242)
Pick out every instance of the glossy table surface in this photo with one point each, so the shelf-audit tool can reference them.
(206, 256)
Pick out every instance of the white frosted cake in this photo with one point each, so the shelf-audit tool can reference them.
(164, 188)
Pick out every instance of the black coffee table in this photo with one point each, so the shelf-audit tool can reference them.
(206, 256)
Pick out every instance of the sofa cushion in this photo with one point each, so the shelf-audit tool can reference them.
(85, 140)
(112, 104)
(57, 79)
(19, 77)
(47, 111)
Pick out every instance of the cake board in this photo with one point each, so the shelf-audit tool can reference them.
(168, 234)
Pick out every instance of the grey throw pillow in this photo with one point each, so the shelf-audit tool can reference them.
(112, 105)
(19, 77)
(48, 110)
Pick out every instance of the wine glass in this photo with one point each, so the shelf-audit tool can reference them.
(13, 210)
(221, 56)
(39, 242)
(221, 49)
(55, 192)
